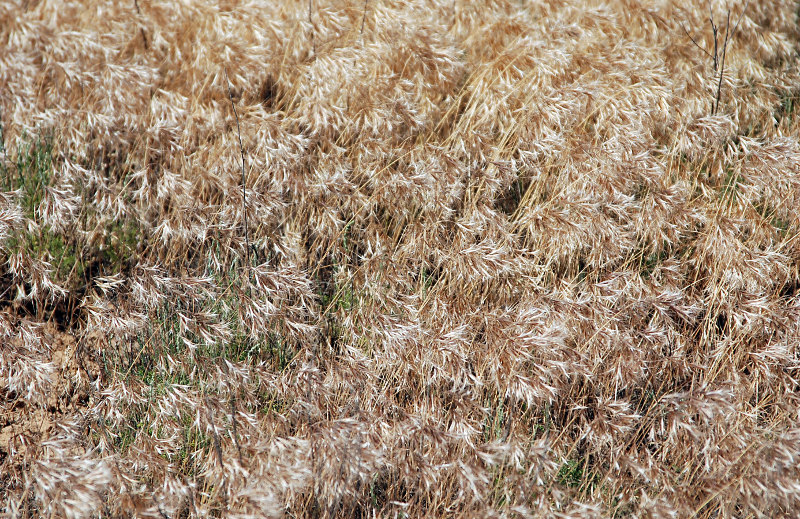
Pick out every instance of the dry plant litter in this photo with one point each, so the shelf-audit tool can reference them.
(483, 259)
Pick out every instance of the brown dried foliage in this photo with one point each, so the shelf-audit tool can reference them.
(506, 259)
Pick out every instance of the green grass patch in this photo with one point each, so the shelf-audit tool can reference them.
(769, 214)
(31, 171)
(495, 422)
(578, 474)
(571, 473)
(729, 191)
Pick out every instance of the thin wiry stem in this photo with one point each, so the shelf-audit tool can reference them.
(696, 44)
(741, 15)
(714, 31)
(244, 180)
(363, 18)
(728, 38)
(311, 23)
(141, 29)
(722, 63)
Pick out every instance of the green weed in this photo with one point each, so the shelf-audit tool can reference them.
(31, 174)
(578, 474)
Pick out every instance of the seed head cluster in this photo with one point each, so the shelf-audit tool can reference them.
(484, 259)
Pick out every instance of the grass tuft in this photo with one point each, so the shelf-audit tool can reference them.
(399, 259)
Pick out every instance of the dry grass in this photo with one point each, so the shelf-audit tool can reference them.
(504, 260)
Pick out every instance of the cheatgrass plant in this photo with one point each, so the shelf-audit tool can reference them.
(351, 258)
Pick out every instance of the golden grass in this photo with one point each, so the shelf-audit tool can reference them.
(491, 259)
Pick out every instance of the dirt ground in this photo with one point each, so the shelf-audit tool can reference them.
(24, 424)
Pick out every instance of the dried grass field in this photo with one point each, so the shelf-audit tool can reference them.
(399, 258)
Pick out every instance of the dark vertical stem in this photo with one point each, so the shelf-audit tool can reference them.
(311, 23)
(722, 63)
(364, 17)
(141, 29)
(714, 31)
(244, 182)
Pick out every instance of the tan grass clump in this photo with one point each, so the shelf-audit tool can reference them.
(504, 260)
